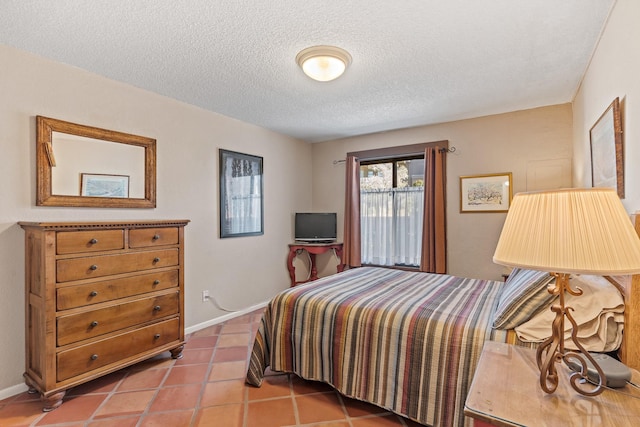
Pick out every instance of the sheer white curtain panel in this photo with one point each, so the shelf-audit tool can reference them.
(391, 226)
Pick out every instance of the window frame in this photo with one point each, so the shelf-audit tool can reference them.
(394, 167)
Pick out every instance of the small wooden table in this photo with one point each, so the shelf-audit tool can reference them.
(312, 249)
(506, 392)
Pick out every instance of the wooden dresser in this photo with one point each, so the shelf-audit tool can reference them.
(100, 296)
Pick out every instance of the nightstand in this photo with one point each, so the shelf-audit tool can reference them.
(312, 249)
(506, 392)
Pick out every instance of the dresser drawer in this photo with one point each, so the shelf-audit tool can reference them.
(72, 242)
(105, 265)
(143, 237)
(89, 324)
(93, 293)
(103, 352)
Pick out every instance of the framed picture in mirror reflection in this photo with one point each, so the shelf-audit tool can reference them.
(100, 185)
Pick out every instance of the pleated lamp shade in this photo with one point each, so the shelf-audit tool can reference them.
(569, 231)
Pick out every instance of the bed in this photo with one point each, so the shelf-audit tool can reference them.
(408, 342)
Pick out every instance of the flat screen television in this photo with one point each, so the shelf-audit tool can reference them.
(315, 227)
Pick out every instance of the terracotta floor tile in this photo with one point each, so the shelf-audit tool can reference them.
(319, 407)
(377, 421)
(188, 374)
(22, 397)
(104, 384)
(330, 424)
(223, 392)
(140, 380)
(129, 403)
(245, 318)
(271, 413)
(226, 415)
(201, 342)
(208, 331)
(235, 328)
(165, 419)
(195, 356)
(76, 408)
(272, 386)
(233, 340)
(228, 371)
(20, 413)
(358, 408)
(301, 386)
(230, 354)
(174, 398)
(115, 422)
(161, 361)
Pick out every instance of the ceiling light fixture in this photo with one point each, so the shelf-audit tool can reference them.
(323, 63)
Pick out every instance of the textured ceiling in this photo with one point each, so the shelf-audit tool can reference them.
(415, 62)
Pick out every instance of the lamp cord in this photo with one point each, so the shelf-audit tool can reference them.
(617, 390)
(214, 301)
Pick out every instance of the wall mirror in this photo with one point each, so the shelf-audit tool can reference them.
(86, 166)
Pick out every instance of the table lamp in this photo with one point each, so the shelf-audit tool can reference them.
(584, 231)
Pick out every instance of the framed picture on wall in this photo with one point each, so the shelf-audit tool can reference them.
(485, 193)
(241, 202)
(607, 151)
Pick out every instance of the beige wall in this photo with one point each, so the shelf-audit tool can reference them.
(535, 145)
(613, 72)
(240, 272)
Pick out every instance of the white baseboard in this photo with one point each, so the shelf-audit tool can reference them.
(20, 388)
(217, 320)
(13, 390)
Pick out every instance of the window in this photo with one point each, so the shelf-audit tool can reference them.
(383, 240)
(391, 210)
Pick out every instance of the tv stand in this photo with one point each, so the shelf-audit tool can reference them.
(312, 249)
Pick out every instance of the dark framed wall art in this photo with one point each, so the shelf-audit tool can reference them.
(241, 198)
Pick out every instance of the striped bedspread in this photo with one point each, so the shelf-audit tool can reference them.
(408, 342)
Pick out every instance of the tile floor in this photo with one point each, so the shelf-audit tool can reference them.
(204, 388)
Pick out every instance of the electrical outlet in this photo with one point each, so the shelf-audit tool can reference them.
(205, 295)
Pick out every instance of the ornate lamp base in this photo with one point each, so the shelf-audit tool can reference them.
(552, 349)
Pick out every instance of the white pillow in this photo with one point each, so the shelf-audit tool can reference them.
(599, 313)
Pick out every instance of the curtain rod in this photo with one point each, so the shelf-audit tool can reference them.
(442, 150)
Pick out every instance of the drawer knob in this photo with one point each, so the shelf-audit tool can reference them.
(94, 356)
(93, 241)
(156, 282)
(93, 267)
(156, 308)
(156, 259)
(156, 237)
(156, 336)
(94, 323)
(93, 294)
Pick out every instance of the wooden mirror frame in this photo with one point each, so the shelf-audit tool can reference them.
(45, 161)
